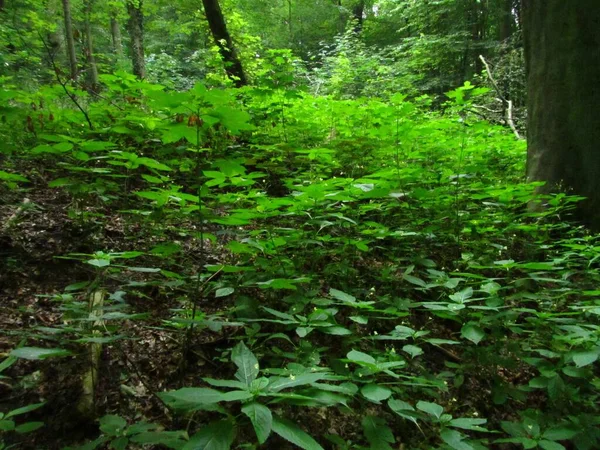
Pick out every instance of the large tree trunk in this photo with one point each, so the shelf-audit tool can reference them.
(562, 56)
(115, 32)
(136, 37)
(218, 28)
(92, 77)
(71, 55)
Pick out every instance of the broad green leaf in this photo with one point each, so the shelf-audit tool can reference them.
(455, 440)
(550, 445)
(559, 433)
(277, 384)
(224, 292)
(468, 424)
(246, 362)
(28, 427)
(360, 357)
(112, 424)
(375, 392)
(215, 436)
(12, 177)
(39, 353)
(585, 358)
(342, 296)
(378, 433)
(197, 398)
(292, 433)
(261, 418)
(413, 350)
(472, 332)
(433, 409)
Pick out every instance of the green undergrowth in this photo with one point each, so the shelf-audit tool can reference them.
(370, 270)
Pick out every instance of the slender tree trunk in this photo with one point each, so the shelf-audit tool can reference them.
(562, 58)
(218, 28)
(92, 77)
(506, 21)
(358, 13)
(136, 37)
(115, 32)
(71, 55)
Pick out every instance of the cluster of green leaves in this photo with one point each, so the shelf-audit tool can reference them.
(380, 261)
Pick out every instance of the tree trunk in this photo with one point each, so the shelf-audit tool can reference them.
(358, 13)
(218, 28)
(71, 55)
(92, 77)
(562, 61)
(136, 37)
(506, 20)
(115, 32)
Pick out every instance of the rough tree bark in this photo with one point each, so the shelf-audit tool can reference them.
(92, 76)
(218, 28)
(136, 37)
(562, 60)
(71, 55)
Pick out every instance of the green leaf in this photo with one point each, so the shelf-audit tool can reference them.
(112, 425)
(378, 433)
(472, 332)
(24, 410)
(468, 424)
(224, 292)
(28, 427)
(98, 262)
(277, 384)
(215, 436)
(413, 350)
(12, 177)
(375, 392)
(292, 433)
(342, 296)
(360, 357)
(550, 445)
(455, 440)
(261, 418)
(35, 353)
(246, 362)
(559, 433)
(198, 398)
(433, 409)
(585, 358)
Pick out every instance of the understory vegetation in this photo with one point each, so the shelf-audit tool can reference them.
(268, 267)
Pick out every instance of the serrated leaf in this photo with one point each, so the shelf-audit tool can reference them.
(215, 436)
(261, 418)
(246, 362)
(294, 434)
